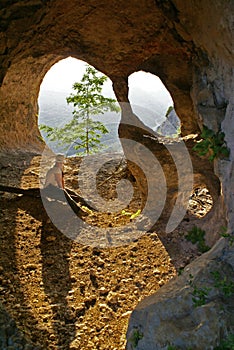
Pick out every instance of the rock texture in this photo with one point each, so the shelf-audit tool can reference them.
(169, 318)
(117, 38)
(189, 45)
(174, 317)
(10, 336)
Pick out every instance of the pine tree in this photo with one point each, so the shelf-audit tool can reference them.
(88, 101)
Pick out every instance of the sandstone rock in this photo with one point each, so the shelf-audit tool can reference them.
(171, 317)
(189, 45)
(103, 291)
(51, 238)
(112, 298)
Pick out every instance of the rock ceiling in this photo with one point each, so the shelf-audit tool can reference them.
(116, 37)
(188, 44)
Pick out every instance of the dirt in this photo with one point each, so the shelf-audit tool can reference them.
(64, 294)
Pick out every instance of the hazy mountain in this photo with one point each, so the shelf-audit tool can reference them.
(53, 108)
(54, 111)
(151, 108)
(171, 125)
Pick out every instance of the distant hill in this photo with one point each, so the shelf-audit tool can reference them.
(171, 125)
(53, 108)
(54, 111)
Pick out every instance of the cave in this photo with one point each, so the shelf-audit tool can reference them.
(189, 46)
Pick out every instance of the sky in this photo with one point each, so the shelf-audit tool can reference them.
(63, 74)
(147, 94)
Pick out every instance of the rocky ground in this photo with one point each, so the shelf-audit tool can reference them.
(65, 294)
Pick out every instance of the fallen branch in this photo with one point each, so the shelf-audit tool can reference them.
(36, 193)
(32, 192)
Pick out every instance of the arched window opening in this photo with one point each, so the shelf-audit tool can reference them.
(201, 202)
(59, 108)
(153, 104)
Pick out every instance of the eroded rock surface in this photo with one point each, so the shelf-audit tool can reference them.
(188, 45)
(192, 311)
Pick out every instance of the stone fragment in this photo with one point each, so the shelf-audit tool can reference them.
(51, 238)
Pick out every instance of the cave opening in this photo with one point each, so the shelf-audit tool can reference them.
(55, 111)
(150, 101)
(200, 202)
(153, 103)
(66, 295)
(148, 96)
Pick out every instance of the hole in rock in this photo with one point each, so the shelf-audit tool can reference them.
(55, 111)
(72, 295)
(200, 202)
(153, 104)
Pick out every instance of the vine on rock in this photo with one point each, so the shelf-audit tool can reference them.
(212, 143)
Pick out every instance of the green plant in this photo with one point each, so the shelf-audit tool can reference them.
(180, 271)
(200, 296)
(226, 344)
(211, 143)
(88, 101)
(169, 110)
(225, 285)
(197, 235)
(136, 336)
(229, 236)
(40, 138)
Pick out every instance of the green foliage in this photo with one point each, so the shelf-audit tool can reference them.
(229, 236)
(200, 295)
(134, 215)
(180, 271)
(226, 344)
(169, 111)
(223, 283)
(40, 138)
(197, 235)
(212, 143)
(136, 336)
(88, 101)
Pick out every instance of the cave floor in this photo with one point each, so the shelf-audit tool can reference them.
(67, 295)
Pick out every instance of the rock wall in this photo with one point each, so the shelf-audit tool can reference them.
(189, 45)
(117, 38)
(170, 318)
(189, 312)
